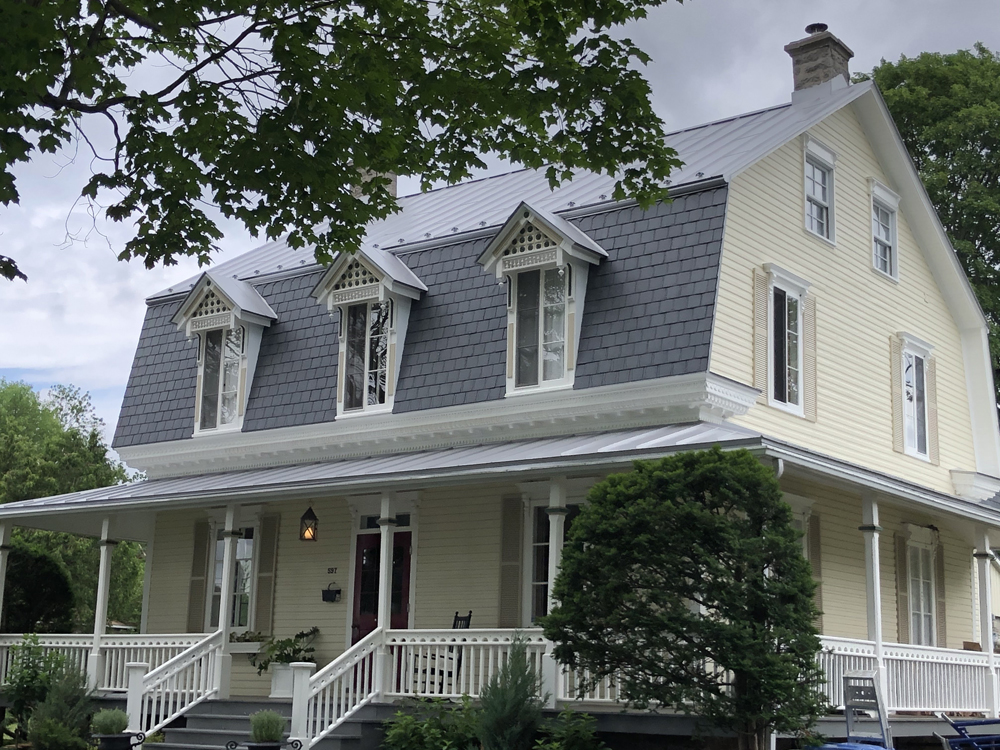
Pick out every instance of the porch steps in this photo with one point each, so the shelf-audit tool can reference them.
(210, 725)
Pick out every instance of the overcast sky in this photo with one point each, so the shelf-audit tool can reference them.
(77, 319)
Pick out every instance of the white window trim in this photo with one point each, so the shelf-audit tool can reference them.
(214, 528)
(915, 346)
(888, 200)
(390, 376)
(798, 287)
(826, 158)
(242, 378)
(572, 315)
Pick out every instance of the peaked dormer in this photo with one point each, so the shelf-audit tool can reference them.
(372, 290)
(228, 317)
(544, 261)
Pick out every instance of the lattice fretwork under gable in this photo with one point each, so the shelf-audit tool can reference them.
(529, 239)
(210, 304)
(355, 275)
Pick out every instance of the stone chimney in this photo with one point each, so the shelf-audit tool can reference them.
(819, 58)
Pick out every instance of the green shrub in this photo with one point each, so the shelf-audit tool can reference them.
(570, 730)
(434, 724)
(510, 710)
(66, 705)
(155, 738)
(109, 721)
(52, 734)
(28, 679)
(286, 650)
(267, 726)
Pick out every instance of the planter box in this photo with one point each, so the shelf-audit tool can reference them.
(281, 681)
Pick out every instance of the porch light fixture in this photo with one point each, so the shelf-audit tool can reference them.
(308, 526)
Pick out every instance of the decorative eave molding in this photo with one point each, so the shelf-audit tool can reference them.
(974, 486)
(683, 398)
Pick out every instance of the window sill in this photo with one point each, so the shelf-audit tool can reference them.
(529, 390)
(809, 233)
(888, 277)
(355, 413)
(919, 456)
(238, 427)
(795, 411)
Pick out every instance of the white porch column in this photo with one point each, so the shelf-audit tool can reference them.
(133, 696)
(557, 528)
(95, 663)
(873, 576)
(5, 529)
(387, 528)
(302, 671)
(983, 557)
(225, 660)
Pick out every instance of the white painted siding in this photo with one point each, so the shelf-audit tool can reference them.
(857, 310)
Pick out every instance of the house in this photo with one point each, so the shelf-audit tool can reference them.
(376, 446)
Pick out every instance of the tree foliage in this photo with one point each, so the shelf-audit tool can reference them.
(50, 447)
(947, 109)
(685, 580)
(282, 113)
(38, 596)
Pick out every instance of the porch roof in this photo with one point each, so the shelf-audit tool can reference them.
(396, 471)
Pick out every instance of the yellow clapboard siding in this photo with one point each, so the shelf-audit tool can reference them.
(244, 681)
(170, 573)
(458, 557)
(857, 309)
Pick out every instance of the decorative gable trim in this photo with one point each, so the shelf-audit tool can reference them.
(532, 238)
(216, 302)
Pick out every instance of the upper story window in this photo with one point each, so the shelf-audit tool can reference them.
(544, 261)
(914, 395)
(540, 326)
(372, 291)
(228, 318)
(221, 363)
(785, 341)
(367, 360)
(819, 189)
(884, 247)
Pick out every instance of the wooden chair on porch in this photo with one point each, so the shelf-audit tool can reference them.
(444, 675)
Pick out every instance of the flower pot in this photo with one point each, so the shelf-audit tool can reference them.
(281, 680)
(123, 741)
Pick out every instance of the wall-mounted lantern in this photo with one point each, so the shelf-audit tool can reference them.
(308, 527)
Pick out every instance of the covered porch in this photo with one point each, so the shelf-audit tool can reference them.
(485, 528)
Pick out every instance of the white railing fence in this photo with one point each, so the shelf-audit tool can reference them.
(337, 691)
(453, 663)
(177, 685)
(74, 648)
(154, 650)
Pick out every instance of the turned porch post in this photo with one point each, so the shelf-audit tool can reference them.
(5, 528)
(387, 524)
(225, 660)
(95, 662)
(983, 557)
(873, 590)
(556, 511)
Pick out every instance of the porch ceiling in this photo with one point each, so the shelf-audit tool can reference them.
(393, 471)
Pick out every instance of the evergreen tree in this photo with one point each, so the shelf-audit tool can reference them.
(685, 581)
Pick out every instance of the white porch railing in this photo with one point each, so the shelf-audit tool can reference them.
(75, 648)
(175, 686)
(154, 650)
(452, 663)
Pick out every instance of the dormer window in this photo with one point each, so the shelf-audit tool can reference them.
(544, 260)
(371, 291)
(221, 363)
(228, 318)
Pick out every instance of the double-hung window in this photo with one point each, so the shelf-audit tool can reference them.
(786, 347)
(884, 250)
(539, 552)
(243, 580)
(915, 402)
(920, 570)
(540, 324)
(366, 363)
(819, 179)
(221, 356)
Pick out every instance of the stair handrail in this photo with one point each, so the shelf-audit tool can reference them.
(338, 690)
(174, 687)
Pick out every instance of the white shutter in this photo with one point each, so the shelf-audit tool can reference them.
(760, 332)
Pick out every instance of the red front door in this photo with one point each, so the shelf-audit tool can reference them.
(366, 567)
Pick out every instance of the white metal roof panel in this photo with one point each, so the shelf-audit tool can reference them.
(717, 149)
(569, 451)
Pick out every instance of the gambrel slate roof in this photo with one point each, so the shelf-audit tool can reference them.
(648, 313)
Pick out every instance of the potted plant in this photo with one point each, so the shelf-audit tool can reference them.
(279, 653)
(267, 730)
(109, 729)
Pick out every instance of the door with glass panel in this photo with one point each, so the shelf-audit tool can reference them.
(367, 563)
